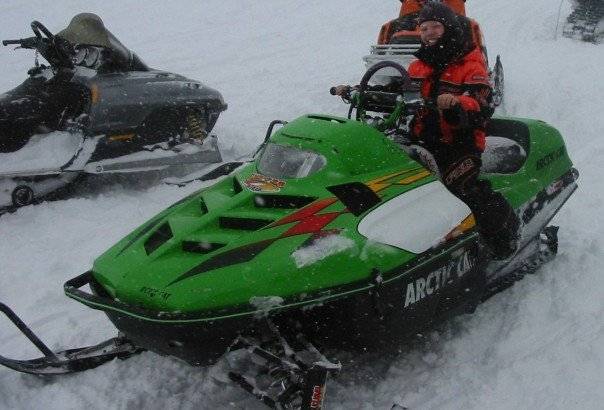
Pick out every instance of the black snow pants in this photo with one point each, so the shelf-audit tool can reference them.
(496, 220)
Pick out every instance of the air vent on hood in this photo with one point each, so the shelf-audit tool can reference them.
(203, 207)
(236, 186)
(200, 246)
(282, 201)
(247, 224)
(158, 238)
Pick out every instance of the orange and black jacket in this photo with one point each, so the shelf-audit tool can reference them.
(466, 77)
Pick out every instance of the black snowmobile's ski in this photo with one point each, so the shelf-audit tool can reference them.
(206, 174)
(66, 361)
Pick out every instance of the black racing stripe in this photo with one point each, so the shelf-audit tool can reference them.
(231, 257)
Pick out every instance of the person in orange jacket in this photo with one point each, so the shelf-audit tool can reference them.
(454, 84)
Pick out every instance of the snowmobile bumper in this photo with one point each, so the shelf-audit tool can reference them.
(198, 339)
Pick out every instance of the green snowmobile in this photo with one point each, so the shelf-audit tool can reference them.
(332, 237)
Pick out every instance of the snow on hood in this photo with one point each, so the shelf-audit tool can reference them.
(321, 249)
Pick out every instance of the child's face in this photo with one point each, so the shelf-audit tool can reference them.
(431, 31)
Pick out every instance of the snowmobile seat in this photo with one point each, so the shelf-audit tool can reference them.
(405, 23)
(87, 33)
(506, 149)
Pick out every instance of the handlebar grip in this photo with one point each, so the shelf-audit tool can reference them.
(8, 42)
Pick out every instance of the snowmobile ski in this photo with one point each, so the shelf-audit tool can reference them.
(208, 173)
(66, 361)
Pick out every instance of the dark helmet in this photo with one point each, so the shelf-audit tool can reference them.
(451, 45)
(440, 12)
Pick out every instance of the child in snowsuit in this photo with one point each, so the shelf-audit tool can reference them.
(454, 83)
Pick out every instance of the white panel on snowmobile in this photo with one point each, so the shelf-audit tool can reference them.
(43, 154)
(416, 220)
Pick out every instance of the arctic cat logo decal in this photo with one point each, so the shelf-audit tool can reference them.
(151, 292)
(549, 158)
(258, 182)
(427, 285)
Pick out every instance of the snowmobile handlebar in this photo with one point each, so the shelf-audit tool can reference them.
(341, 90)
(29, 42)
(389, 100)
(57, 51)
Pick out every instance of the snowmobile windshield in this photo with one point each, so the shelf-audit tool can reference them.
(87, 33)
(89, 29)
(282, 161)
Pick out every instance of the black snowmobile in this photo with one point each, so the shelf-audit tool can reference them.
(586, 22)
(97, 108)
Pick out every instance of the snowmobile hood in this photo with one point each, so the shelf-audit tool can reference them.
(250, 236)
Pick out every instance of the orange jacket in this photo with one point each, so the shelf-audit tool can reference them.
(467, 78)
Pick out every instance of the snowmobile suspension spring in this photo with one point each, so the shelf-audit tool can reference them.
(196, 127)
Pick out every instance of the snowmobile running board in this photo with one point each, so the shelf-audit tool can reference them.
(66, 361)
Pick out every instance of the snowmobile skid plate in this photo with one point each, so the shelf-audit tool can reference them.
(66, 361)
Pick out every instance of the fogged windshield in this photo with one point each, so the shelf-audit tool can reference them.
(281, 161)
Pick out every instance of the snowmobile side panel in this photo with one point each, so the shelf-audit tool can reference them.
(401, 221)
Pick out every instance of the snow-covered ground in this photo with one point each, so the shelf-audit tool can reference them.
(538, 345)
